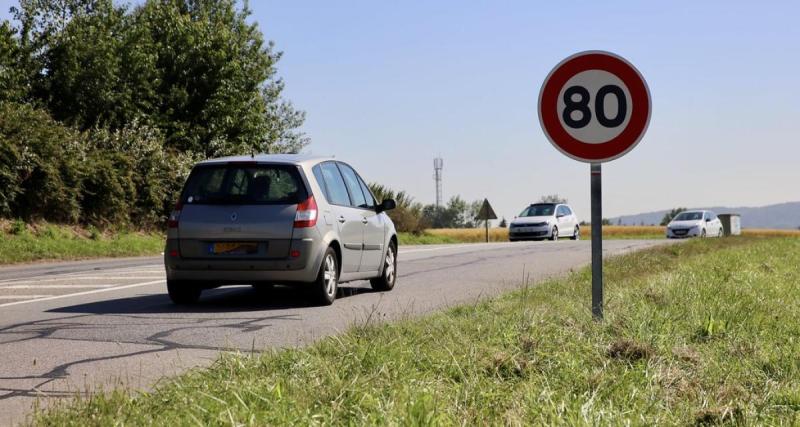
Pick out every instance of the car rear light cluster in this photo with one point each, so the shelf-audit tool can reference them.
(175, 216)
(306, 215)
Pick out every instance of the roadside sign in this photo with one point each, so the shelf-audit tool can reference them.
(486, 213)
(594, 107)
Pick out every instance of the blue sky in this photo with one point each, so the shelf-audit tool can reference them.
(388, 86)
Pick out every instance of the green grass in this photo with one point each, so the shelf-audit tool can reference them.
(25, 243)
(424, 239)
(704, 332)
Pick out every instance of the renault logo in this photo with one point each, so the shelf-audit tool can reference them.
(234, 217)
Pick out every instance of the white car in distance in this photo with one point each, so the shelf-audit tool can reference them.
(694, 224)
(541, 221)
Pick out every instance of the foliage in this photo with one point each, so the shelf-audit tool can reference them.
(53, 172)
(26, 242)
(458, 213)
(407, 216)
(552, 198)
(105, 107)
(671, 214)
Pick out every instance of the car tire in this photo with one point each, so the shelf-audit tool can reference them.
(721, 232)
(324, 289)
(182, 292)
(703, 233)
(554, 234)
(389, 272)
(576, 235)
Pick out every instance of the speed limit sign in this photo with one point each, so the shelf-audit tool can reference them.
(594, 106)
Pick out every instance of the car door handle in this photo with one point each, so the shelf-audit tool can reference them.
(364, 220)
(342, 219)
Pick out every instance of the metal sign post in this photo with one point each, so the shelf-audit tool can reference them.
(597, 241)
(594, 107)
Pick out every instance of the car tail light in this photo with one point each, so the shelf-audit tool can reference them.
(306, 215)
(174, 253)
(294, 253)
(172, 222)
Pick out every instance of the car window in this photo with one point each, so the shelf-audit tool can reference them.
(243, 184)
(321, 181)
(367, 194)
(567, 210)
(545, 209)
(689, 216)
(351, 180)
(335, 184)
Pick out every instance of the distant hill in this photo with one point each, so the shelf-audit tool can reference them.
(783, 215)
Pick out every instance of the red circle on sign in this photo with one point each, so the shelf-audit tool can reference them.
(615, 147)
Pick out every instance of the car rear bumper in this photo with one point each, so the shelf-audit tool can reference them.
(303, 268)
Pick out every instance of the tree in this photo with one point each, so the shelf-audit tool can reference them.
(552, 198)
(194, 69)
(13, 77)
(671, 214)
(407, 214)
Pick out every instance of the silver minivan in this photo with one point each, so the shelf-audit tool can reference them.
(278, 219)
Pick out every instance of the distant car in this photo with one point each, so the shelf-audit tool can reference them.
(694, 224)
(285, 219)
(544, 221)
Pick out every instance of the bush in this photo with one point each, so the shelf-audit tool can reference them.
(40, 166)
(49, 171)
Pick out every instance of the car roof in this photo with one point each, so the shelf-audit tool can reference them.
(293, 159)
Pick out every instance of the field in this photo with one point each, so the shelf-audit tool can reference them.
(474, 235)
(22, 242)
(702, 333)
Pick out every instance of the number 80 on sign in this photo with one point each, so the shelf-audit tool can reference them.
(594, 106)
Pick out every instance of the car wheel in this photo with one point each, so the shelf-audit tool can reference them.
(721, 232)
(554, 234)
(577, 234)
(182, 292)
(703, 233)
(389, 275)
(324, 288)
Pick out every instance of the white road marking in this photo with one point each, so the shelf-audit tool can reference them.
(21, 297)
(58, 279)
(54, 286)
(96, 291)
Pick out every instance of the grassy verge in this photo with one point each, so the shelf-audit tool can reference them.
(25, 243)
(700, 333)
(610, 232)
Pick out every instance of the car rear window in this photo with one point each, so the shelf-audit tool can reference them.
(244, 184)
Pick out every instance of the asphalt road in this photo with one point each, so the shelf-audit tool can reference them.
(74, 328)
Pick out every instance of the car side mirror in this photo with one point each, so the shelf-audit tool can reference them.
(386, 205)
(708, 219)
(560, 215)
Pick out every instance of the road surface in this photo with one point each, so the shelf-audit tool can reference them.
(80, 327)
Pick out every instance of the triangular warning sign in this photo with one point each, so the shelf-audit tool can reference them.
(486, 211)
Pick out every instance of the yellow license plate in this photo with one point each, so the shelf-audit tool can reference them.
(234, 248)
